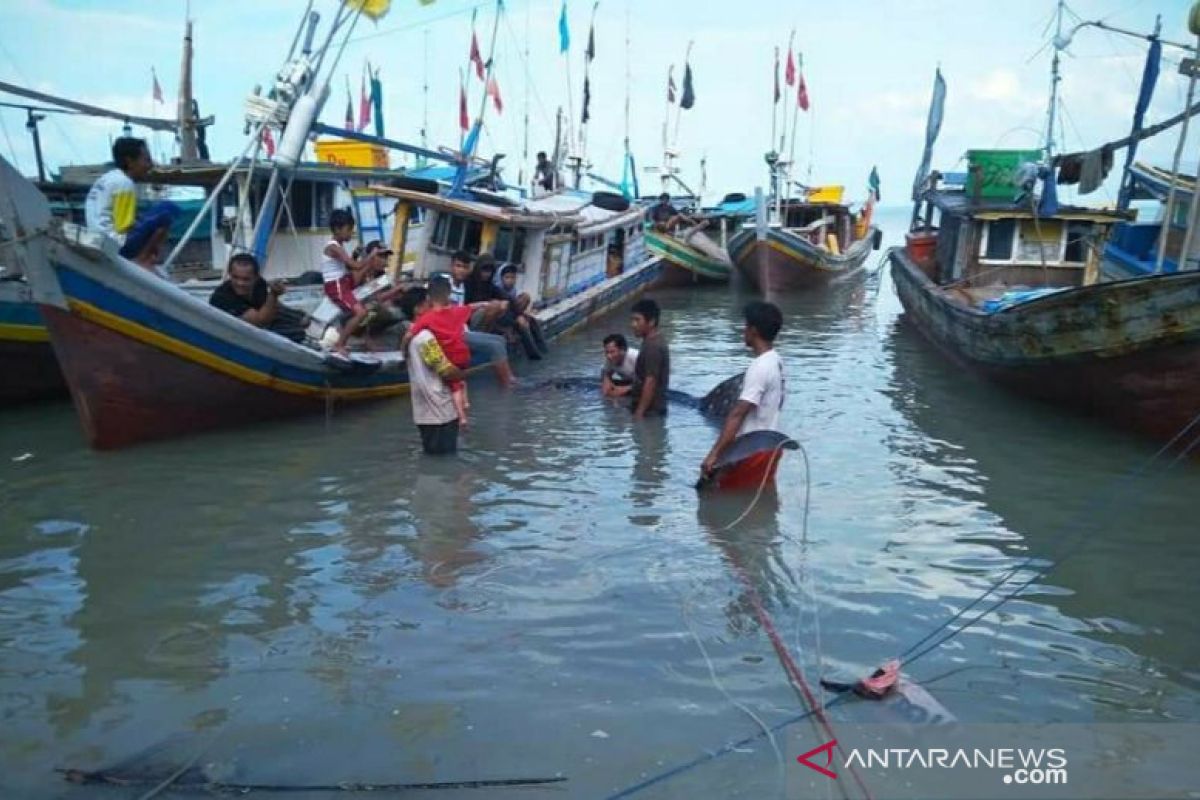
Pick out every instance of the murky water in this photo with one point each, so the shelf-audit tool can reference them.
(311, 603)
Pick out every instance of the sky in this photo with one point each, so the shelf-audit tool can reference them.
(868, 67)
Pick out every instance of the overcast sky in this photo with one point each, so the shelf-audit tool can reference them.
(868, 66)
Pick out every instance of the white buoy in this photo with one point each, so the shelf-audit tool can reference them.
(300, 122)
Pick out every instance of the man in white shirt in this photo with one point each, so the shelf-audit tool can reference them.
(620, 366)
(428, 370)
(762, 394)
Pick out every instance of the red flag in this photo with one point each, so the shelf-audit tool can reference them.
(777, 94)
(268, 141)
(493, 90)
(158, 95)
(789, 72)
(464, 119)
(802, 94)
(476, 56)
(364, 104)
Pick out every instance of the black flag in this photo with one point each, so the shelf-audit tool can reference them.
(689, 94)
(587, 100)
(591, 48)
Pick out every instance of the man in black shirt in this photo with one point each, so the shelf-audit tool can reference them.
(653, 368)
(245, 295)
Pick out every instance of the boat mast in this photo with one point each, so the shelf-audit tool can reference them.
(628, 81)
(183, 110)
(425, 104)
(1055, 78)
(525, 144)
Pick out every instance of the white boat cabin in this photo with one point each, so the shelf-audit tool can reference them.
(561, 244)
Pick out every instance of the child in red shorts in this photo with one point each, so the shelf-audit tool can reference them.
(340, 273)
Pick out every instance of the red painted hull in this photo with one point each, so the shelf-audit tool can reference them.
(30, 372)
(128, 392)
(750, 473)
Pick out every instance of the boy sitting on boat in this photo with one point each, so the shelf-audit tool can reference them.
(620, 366)
(527, 326)
(111, 207)
(341, 274)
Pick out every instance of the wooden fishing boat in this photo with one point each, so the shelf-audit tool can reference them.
(1016, 298)
(803, 243)
(689, 257)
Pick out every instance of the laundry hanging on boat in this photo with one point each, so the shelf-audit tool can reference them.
(1087, 169)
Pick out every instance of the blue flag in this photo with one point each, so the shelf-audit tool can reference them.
(1149, 79)
(564, 33)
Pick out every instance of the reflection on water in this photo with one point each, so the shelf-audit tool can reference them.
(334, 607)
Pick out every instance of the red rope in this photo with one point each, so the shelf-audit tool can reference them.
(795, 677)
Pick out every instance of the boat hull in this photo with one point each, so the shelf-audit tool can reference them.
(1127, 352)
(27, 359)
(784, 262)
(683, 264)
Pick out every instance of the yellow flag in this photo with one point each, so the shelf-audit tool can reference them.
(370, 8)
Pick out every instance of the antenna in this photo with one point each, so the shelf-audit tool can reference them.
(425, 101)
(1055, 78)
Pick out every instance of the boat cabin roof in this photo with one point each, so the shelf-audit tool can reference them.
(210, 173)
(1154, 183)
(958, 203)
(569, 208)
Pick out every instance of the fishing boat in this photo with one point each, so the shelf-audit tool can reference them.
(689, 256)
(983, 292)
(803, 242)
(577, 254)
(145, 359)
(1009, 284)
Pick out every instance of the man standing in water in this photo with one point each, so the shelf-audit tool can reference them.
(428, 370)
(652, 372)
(759, 404)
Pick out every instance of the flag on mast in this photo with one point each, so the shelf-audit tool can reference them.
(873, 183)
(587, 100)
(268, 140)
(802, 90)
(671, 84)
(564, 32)
(373, 9)
(464, 119)
(591, 45)
(789, 70)
(377, 101)
(349, 108)
(476, 57)
(688, 98)
(493, 91)
(777, 94)
(157, 90)
(364, 100)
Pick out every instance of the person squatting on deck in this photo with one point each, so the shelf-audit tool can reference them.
(652, 370)
(341, 274)
(430, 374)
(111, 206)
(761, 399)
(620, 366)
(484, 286)
(245, 295)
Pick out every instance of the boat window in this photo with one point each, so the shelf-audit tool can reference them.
(1001, 234)
(472, 235)
(1040, 240)
(456, 232)
(1077, 239)
(440, 229)
(510, 244)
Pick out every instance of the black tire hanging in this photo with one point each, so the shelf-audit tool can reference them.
(610, 201)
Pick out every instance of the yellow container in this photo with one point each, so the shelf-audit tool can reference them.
(349, 153)
(826, 194)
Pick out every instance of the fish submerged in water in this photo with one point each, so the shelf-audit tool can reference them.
(898, 695)
(714, 406)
